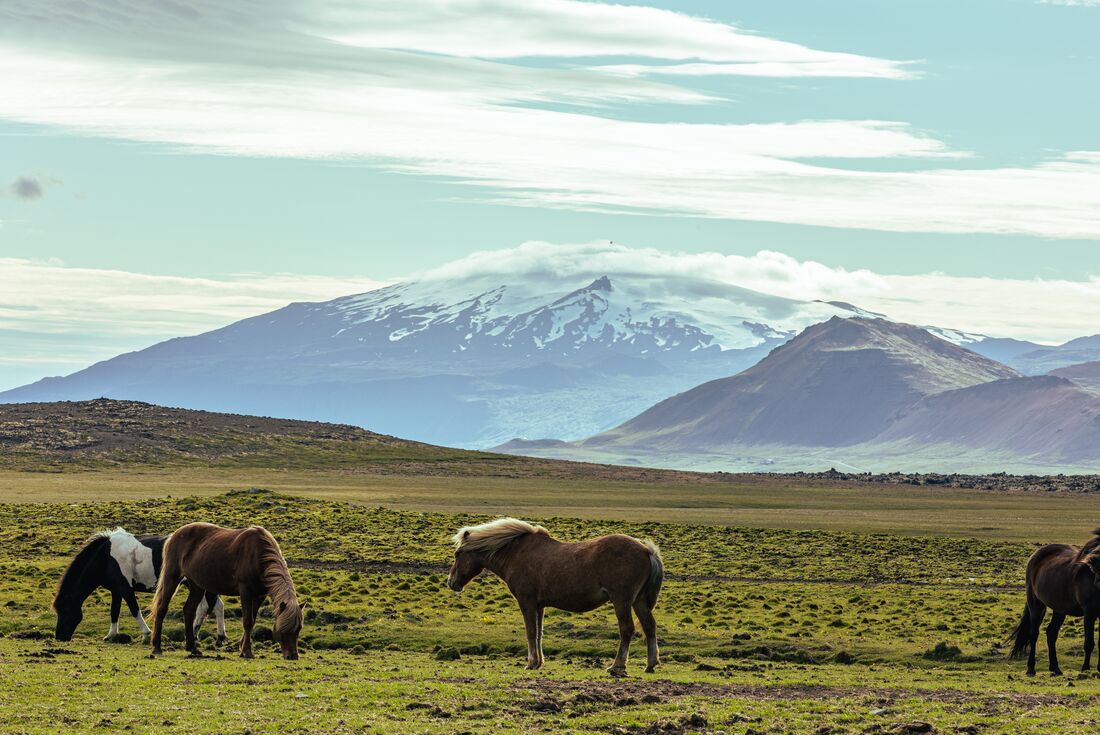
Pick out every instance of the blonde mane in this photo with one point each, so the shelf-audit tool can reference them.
(279, 585)
(489, 538)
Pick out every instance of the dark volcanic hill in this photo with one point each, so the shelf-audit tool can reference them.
(838, 383)
(1086, 374)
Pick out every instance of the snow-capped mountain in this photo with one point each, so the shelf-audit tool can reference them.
(469, 360)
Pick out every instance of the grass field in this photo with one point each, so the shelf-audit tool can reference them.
(787, 609)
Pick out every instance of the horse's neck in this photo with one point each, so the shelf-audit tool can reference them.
(80, 585)
(503, 563)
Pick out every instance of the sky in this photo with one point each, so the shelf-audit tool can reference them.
(169, 166)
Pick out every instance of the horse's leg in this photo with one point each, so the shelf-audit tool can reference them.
(649, 627)
(626, 633)
(190, 607)
(1090, 630)
(250, 607)
(531, 626)
(219, 616)
(135, 611)
(1056, 620)
(200, 614)
(1037, 610)
(166, 587)
(116, 607)
(538, 641)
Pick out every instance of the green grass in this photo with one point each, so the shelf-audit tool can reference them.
(762, 629)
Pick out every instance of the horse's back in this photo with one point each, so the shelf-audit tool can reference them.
(1051, 577)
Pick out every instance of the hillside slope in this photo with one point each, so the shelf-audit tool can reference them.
(1086, 374)
(838, 383)
(1043, 417)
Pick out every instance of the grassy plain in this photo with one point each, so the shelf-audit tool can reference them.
(755, 501)
(787, 609)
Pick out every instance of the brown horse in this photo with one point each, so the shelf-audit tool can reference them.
(1067, 580)
(226, 561)
(542, 572)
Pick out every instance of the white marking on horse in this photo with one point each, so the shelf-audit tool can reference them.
(219, 614)
(134, 558)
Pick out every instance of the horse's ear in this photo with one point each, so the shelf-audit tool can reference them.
(282, 606)
(465, 535)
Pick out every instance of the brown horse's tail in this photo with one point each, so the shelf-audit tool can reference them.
(1021, 637)
(652, 586)
(165, 562)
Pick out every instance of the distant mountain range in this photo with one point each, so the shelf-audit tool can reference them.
(585, 364)
(865, 393)
(468, 361)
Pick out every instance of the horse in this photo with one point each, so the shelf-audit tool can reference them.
(542, 572)
(124, 564)
(1067, 580)
(226, 561)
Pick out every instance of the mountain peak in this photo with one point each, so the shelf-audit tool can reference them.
(837, 383)
(603, 283)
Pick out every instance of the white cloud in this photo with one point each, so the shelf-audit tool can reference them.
(1073, 3)
(502, 29)
(1033, 309)
(767, 271)
(61, 318)
(57, 319)
(323, 80)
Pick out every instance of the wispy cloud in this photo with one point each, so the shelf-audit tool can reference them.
(1073, 3)
(61, 318)
(57, 319)
(452, 89)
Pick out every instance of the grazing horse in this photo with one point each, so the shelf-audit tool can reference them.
(124, 564)
(1067, 580)
(228, 561)
(542, 572)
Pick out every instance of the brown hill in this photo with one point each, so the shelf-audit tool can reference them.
(1086, 374)
(1041, 417)
(838, 383)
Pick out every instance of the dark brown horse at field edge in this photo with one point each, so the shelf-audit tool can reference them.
(542, 572)
(1067, 580)
(244, 562)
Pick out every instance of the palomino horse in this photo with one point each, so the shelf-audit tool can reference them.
(245, 562)
(542, 572)
(1065, 579)
(124, 564)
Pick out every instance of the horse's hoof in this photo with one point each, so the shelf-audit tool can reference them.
(617, 671)
(156, 652)
(1056, 672)
(221, 641)
(650, 669)
(195, 654)
(1031, 673)
(247, 654)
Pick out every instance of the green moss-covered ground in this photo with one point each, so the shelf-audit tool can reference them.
(762, 630)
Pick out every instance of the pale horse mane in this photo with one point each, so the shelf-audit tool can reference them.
(489, 538)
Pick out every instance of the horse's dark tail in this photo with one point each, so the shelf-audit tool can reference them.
(1021, 637)
(652, 586)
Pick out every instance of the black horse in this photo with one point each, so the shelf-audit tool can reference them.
(124, 564)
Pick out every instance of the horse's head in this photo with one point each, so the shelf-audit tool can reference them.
(467, 565)
(68, 617)
(288, 625)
